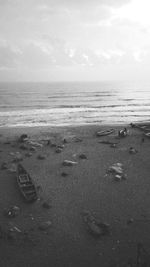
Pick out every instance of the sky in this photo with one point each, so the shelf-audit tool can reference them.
(74, 40)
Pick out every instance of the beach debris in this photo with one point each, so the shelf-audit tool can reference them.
(58, 150)
(77, 139)
(4, 166)
(46, 205)
(41, 157)
(23, 138)
(34, 143)
(94, 226)
(32, 148)
(117, 171)
(130, 221)
(82, 156)
(45, 225)
(7, 143)
(123, 133)
(17, 156)
(118, 177)
(132, 150)
(69, 163)
(113, 145)
(105, 132)
(13, 168)
(107, 142)
(61, 146)
(23, 147)
(12, 212)
(64, 174)
(116, 168)
(28, 154)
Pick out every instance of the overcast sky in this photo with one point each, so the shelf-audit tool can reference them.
(54, 40)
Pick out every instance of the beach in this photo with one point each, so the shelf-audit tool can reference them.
(89, 185)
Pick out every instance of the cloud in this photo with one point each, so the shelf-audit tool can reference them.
(8, 56)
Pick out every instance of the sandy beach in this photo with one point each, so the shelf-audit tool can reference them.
(69, 191)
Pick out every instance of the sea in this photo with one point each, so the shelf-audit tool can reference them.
(28, 104)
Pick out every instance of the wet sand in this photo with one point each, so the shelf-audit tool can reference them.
(124, 205)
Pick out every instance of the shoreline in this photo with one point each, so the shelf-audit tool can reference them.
(88, 186)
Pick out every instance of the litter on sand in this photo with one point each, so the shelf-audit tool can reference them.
(94, 226)
(69, 163)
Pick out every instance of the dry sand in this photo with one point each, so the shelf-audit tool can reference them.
(88, 186)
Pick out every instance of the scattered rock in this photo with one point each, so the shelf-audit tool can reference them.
(23, 147)
(45, 225)
(46, 205)
(64, 174)
(17, 156)
(32, 148)
(35, 144)
(118, 177)
(132, 150)
(7, 143)
(23, 138)
(53, 145)
(58, 150)
(69, 163)
(94, 226)
(131, 220)
(12, 212)
(41, 157)
(13, 168)
(61, 146)
(82, 156)
(116, 168)
(4, 166)
(28, 154)
(113, 145)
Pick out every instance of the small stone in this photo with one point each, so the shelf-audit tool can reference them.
(46, 205)
(82, 156)
(32, 148)
(4, 166)
(23, 137)
(28, 154)
(64, 174)
(23, 147)
(45, 225)
(132, 150)
(58, 150)
(12, 212)
(69, 163)
(118, 177)
(131, 220)
(41, 157)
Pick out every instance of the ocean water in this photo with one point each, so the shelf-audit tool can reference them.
(73, 103)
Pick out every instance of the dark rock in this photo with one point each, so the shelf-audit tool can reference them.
(82, 156)
(94, 226)
(32, 148)
(46, 205)
(22, 138)
(4, 166)
(28, 154)
(64, 174)
(23, 147)
(41, 157)
(12, 212)
(45, 226)
(69, 163)
(58, 150)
